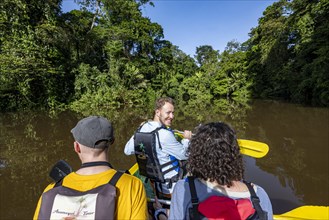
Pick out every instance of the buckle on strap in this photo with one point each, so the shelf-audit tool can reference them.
(169, 184)
(255, 199)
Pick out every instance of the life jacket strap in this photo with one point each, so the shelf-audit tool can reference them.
(255, 201)
(194, 213)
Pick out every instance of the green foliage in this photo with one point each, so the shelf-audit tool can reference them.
(231, 79)
(107, 55)
(206, 54)
(197, 89)
(28, 74)
(286, 52)
(93, 90)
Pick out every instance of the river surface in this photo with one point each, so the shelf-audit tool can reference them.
(294, 172)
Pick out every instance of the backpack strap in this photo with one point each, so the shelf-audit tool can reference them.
(156, 131)
(58, 183)
(140, 127)
(255, 201)
(194, 213)
(113, 181)
(179, 175)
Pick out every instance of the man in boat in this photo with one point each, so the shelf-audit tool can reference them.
(168, 153)
(93, 136)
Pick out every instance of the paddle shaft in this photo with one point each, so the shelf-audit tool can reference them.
(60, 170)
(162, 201)
(181, 132)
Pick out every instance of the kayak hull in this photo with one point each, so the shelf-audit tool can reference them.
(306, 212)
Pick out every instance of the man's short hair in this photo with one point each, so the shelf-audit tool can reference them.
(160, 102)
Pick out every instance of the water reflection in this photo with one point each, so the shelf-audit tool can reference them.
(298, 140)
(283, 196)
(292, 173)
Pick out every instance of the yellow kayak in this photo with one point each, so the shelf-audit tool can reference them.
(306, 212)
(301, 213)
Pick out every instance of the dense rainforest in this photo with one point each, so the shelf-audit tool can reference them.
(108, 55)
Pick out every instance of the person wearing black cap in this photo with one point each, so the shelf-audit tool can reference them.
(93, 136)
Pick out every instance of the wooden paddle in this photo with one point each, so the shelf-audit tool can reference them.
(247, 147)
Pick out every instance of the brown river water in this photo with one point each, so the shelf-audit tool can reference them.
(294, 172)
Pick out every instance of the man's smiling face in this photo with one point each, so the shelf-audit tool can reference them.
(166, 114)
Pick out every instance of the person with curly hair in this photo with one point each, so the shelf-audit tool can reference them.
(215, 162)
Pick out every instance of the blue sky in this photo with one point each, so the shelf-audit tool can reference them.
(189, 24)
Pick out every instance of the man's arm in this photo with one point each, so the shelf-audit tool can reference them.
(171, 146)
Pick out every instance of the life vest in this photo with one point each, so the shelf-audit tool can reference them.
(147, 159)
(225, 208)
(65, 203)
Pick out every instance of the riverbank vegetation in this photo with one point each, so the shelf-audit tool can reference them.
(108, 55)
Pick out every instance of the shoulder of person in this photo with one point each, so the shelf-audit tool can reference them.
(49, 187)
(130, 178)
(166, 131)
(182, 184)
(150, 125)
(259, 190)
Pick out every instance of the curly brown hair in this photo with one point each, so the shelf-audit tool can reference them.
(214, 154)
